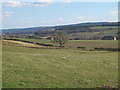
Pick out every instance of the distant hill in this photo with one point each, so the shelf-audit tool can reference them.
(25, 30)
(63, 27)
(82, 30)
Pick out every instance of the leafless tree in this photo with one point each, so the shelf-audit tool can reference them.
(60, 37)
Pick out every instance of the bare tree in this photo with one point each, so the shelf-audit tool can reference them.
(60, 37)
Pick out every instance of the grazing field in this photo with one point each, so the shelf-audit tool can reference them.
(91, 44)
(88, 44)
(58, 68)
(105, 27)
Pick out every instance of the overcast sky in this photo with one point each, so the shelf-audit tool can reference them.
(20, 14)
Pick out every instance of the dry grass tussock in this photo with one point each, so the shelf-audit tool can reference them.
(23, 44)
(18, 43)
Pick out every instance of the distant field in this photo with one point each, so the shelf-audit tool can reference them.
(89, 44)
(104, 27)
(112, 30)
(58, 68)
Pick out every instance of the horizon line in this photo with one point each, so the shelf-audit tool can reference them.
(57, 25)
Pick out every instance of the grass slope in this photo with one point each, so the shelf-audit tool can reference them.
(89, 44)
(58, 68)
(18, 43)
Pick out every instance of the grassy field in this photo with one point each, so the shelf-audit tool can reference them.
(58, 68)
(112, 30)
(89, 44)
(105, 27)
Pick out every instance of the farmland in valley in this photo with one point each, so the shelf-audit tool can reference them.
(31, 60)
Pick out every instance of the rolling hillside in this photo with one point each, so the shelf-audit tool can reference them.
(58, 68)
(63, 27)
(83, 30)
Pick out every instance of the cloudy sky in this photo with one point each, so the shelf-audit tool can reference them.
(21, 13)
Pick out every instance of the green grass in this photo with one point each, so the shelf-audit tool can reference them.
(105, 27)
(58, 68)
(113, 30)
(89, 44)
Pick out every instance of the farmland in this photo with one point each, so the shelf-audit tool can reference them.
(83, 31)
(29, 65)
(89, 44)
(47, 44)
(25, 67)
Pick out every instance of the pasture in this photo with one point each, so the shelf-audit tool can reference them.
(25, 67)
(91, 44)
(88, 44)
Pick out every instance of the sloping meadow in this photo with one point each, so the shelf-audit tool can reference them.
(58, 68)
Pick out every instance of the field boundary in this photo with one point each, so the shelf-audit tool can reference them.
(42, 44)
(39, 45)
(57, 47)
